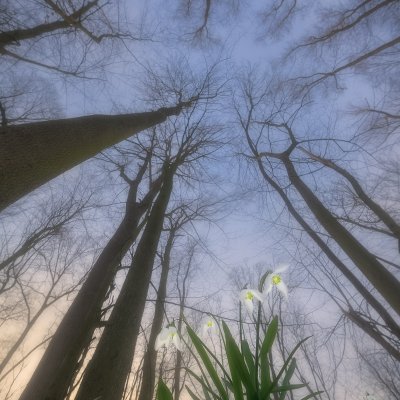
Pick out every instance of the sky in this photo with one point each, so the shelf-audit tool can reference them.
(244, 236)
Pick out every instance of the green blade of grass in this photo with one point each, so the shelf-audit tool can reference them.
(203, 384)
(311, 395)
(266, 346)
(285, 365)
(163, 393)
(237, 364)
(286, 379)
(198, 344)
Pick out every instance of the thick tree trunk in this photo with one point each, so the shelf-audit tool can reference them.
(109, 368)
(385, 282)
(32, 154)
(150, 357)
(54, 373)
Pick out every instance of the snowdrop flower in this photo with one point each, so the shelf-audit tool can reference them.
(208, 325)
(166, 336)
(275, 279)
(247, 296)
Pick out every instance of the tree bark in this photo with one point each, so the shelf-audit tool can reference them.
(382, 214)
(109, 368)
(150, 357)
(32, 154)
(365, 293)
(15, 36)
(368, 328)
(178, 363)
(182, 298)
(54, 373)
(385, 282)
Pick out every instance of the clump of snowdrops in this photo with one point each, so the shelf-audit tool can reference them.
(247, 375)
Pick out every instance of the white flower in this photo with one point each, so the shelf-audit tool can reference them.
(208, 325)
(275, 279)
(247, 296)
(166, 336)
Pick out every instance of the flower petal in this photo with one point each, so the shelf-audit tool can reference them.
(258, 295)
(281, 268)
(160, 341)
(177, 342)
(204, 330)
(249, 305)
(243, 294)
(268, 285)
(283, 289)
(208, 325)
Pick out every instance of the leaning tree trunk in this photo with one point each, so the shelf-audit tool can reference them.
(32, 154)
(372, 332)
(150, 357)
(56, 369)
(385, 282)
(107, 372)
(379, 211)
(367, 294)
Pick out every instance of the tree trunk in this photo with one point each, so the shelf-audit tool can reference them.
(385, 282)
(178, 363)
(367, 295)
(150, 357)
(32, 154)
(182, 299)
(54, 373)
(369, 329)
(109, 368)
(382, 214)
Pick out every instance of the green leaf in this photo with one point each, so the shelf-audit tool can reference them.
(286, 379)
(285, 365)
(204, 385)
(206, 392)
(270, 336)
(238, 366)
(163, 393)
(191, 393)
(198, 344)
(236, 382)
(311, 395)
(286, 388)
(209, 352)
(266, 346)
(228, 383)
(262, 281)
(249, 358)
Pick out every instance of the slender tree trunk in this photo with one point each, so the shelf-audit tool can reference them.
(20, 339)
(382, 214)
(182, 299)
(54, 373)
(369, 329)
(385, 282)
(150, 357)
(32, 154)
(367, 295)
(109, 368)
(178, 363)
